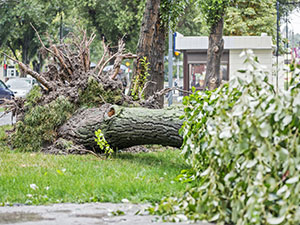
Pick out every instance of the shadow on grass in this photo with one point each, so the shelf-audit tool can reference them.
(169, 159)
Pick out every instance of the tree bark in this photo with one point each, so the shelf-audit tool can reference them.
(214, 54)
(25, 52)
(145, 43)
(124, 127)
(148, 28)
(156, 60)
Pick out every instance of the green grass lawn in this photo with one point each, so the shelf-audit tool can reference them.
(36, 178)
(1, 109)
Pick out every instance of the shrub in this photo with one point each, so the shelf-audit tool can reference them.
(33, 96)
(40, 124)
(242, 141)
(95, 95)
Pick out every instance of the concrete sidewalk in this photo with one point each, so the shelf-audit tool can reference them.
(85, 214)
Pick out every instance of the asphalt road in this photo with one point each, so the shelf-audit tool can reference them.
(6, 119)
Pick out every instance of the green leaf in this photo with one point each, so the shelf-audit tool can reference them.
(226, 133)
(274, 220)
(287, 119)
(242, 143)
(215, 217)
(292, 180)
(265, 129)
(283, 189)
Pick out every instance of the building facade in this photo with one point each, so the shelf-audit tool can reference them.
(194, 51)
(2, 73)
(8, 70)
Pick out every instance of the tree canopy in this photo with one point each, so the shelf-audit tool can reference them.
(250, 18)
(114, 19)
(16, 32)
(213, 10)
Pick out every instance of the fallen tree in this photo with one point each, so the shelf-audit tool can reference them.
(77, 100)
(124, 127)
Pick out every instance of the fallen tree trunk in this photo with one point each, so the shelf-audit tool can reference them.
(69, 85)
(124, 127)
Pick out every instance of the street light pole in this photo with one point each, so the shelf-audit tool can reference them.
(170, 66)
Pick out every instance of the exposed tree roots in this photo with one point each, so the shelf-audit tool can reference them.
(69, 75)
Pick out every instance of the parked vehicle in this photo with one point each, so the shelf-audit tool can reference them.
(5, 92)
(19, 86)
(32, 81)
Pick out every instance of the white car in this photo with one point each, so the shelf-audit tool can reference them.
(19, 86)
(32, 81)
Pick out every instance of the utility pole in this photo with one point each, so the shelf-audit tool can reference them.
(170, 66)
(287, 50)
(287, 30)
(277, 45)
(178, 69)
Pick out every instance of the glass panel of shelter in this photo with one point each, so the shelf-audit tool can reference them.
(197, 72)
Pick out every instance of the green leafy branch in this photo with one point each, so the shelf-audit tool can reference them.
(102, 143)
(242, 141)
(213, 10)
(141, 79)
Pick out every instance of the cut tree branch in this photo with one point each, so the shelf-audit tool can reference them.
(42, 43)
(61, 60)
(105, 63)
(119, 59)
(105, 47)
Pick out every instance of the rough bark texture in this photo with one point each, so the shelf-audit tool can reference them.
(214, 54)
(124, 127)
(157, 63)
(145, 43)
(148, 27)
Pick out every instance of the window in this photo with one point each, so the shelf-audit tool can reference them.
(197, 72)
(197, 75)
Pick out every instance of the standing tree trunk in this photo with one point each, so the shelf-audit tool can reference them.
(124, 127)
(157, 62)
(214, 54)
(145, 43)
(25, 57)
(25, 52)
